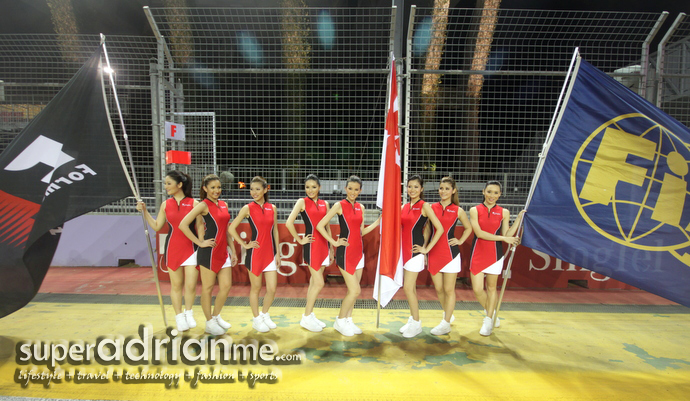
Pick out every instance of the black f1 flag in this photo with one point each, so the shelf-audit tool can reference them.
(65, 163)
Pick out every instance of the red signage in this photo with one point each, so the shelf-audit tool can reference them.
(530, 269)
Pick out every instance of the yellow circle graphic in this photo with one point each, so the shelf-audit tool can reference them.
(676, 161)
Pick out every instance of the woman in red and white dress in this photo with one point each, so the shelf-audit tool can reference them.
(315, 248)
(415, 217)
(262, 258)
(180, 256)
(349, 250)
(213, 257)
(444, 257)
(491, 224)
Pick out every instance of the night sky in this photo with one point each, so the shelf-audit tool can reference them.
(125, 17)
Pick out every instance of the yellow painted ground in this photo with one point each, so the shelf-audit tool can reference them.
(532, 356)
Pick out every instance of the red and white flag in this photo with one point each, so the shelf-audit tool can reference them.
(389, 269)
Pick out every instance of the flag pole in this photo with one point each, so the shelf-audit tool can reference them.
(555, 122)
(137, 195)
(378, 271)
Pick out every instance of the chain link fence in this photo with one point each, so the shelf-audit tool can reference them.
(483, 85)
(285, 92)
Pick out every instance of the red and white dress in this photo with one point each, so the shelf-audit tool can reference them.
(443, 257)
(487, 256)
(261, 221)
(413, 223)
(216, 223)
(351, 257)
(179, 250)
(314, 254)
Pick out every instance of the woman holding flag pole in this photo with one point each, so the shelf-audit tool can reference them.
(414, 217)
(488, 220)
(180, 252)
(444, 257)
(315, 249)
(349, 250)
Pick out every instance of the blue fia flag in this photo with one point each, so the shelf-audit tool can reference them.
(612, 195)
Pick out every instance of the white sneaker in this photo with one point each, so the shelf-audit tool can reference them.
(441, 329)
(322, 324)
(452, 317)
(259, 324)
(212, 327)
(406, 325)
(413, 328)
(310, 323)
(498, 320)
(486, 327)
(352, 324)
(222, 323)
(267, 320)
(181, 322)
(189, 316)
(342, 327)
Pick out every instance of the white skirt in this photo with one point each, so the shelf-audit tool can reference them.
(495, 268)
(360, 264)
(271, 267)
(191, 261)
(227, 263)
(453, 266)
(415, 264)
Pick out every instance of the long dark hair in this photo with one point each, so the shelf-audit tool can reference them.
(313, 177)
(419, 179)
(205, 182)
(454, 199)
(185, 179)
(263, 183)
(354, 178)
(494, 182)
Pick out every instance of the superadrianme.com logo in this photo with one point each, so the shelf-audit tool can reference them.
(46, 151)
(629, 182)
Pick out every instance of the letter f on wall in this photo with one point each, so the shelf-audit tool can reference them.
(42, 150)
(610, 165)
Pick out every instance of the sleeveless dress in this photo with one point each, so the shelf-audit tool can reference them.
(178, 248)
(487, 256)
(316, 253)
(216, 222)
(261, 220)
(413, 223)
(443, 257)
(351, 257)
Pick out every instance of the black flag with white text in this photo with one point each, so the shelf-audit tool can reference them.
(65, 163)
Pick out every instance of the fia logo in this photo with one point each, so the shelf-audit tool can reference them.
(629, 182)
(46, 151)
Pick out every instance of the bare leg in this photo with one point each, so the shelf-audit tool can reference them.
(176, 283)
(224, 284)
(271, 285)
(208, 280)
(492, 297)
(437, 279)
(449, 292)
(478, 288)
(410, 287)
(358, 277)
(191, 277)
(316, 283)
(254, 291)
(353, 291)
